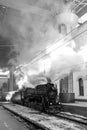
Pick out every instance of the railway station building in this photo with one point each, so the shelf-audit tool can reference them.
(73, 86)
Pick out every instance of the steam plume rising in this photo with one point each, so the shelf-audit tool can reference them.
(32, 31)
(29, 30)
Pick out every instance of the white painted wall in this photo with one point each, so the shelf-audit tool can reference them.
(76, 76)
(69, 86)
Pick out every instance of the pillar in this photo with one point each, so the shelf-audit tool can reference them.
(66, 89)
(11, 82)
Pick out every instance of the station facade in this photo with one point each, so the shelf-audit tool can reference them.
(73, 87)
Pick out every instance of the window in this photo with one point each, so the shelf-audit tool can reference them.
(81, 87)
(62, 29)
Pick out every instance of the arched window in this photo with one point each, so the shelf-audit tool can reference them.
(81, 87)
(62, 29)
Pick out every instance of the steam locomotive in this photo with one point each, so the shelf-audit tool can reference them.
(42, 97)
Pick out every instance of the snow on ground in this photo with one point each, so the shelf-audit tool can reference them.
(44, 120)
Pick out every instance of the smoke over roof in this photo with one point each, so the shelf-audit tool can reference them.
(31, 26)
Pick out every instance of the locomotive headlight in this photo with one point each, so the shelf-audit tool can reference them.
(59, 102)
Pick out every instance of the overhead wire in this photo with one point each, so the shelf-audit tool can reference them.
(55, 42)
(81, 2)
(81, 8)
(78, 3)
(44, 54)
(43, 51)
(82, 63)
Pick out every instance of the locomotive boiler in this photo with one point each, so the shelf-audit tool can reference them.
(41, 97)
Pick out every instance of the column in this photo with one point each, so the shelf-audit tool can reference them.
(11, 80)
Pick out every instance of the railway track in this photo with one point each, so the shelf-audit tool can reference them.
(26, 120)
(59, 112)
(72, 117)
(60, 119)
(69, 116)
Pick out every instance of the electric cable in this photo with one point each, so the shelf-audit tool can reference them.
(58, 47)
(55, 42)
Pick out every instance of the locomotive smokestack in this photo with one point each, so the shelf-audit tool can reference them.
(48, 80)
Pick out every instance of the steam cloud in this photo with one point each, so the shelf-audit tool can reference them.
(31, 32)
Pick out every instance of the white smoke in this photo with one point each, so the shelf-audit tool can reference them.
(32, 27)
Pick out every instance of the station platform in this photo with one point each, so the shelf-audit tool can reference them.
(79, 108)
(45, 121)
